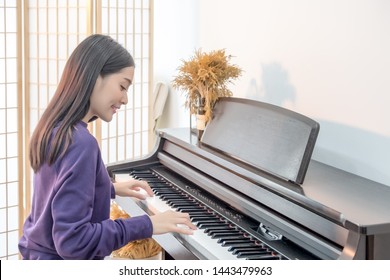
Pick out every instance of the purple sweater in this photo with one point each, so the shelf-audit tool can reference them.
(70, 211)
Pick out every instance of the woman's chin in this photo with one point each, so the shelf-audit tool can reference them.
(107, 118)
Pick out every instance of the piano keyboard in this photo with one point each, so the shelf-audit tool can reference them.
(216, 236)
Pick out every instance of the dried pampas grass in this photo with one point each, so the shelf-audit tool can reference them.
(205, 77)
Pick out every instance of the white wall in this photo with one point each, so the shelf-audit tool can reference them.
(175, 38)
(328, 60)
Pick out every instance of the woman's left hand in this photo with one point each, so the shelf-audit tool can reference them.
(133, 188)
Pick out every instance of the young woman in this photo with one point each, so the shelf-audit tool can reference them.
(70, 211)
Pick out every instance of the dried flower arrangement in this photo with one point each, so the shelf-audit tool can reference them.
(205, 77)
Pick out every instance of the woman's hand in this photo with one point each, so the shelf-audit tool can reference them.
(171, 221)
(133, 188)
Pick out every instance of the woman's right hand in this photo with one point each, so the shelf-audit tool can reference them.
(171, 221)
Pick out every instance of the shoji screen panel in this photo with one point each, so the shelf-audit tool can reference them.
(52, 29)
(10, 138)
(127, 136)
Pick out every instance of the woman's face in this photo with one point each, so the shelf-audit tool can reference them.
(109, 94)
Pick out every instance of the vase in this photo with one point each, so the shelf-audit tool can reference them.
(200, 118)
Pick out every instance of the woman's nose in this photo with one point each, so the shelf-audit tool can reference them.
(124, 99)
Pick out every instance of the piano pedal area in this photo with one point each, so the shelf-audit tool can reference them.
(230, 234)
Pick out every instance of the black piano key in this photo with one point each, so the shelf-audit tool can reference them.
(197, 206)
(189, 209)
(144, 174)
(200, 214)
(168, 196)
(210, 228)
(236, 243)
(193, 212)
(240, 236)
(209, 225)
(233, 240)
(160, 185)
(165, 188)
(241, 245)
(177, 197)
(250, 251)
(254, 255)
(213, 221)
(181, 203)
(166, 192)
(227, 228)
(192, 215)
(183, 199)
(152, 181)
(160, 193)
(133, 173)
(218, 235)
(222, 231)
(265, 257)
(205, 216)
(143, 171)
(205, 211)
(205, 219)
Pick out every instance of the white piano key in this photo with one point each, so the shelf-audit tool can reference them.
(207, 247)
(156, 205)
(122, 177)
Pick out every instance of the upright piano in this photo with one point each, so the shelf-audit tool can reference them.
(254, 192)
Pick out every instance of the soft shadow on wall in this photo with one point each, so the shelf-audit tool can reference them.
(276, 88)
(354, 150)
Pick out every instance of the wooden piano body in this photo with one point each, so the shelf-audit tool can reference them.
(252, 173)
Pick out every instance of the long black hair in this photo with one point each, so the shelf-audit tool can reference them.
(96, 55)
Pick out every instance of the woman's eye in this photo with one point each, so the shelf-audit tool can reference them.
(123, 88)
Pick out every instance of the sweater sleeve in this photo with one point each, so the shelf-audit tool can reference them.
(81, 229)
(112, 191)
